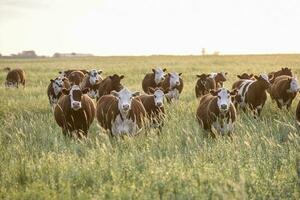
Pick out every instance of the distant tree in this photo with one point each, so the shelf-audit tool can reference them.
(203, 51)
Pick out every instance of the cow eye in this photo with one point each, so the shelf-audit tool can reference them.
(154, 96)
(219, 97)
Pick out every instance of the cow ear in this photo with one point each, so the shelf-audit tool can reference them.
(64, 79)
(233, 92)
(225, 73)
(256, 77)
(251, 75)
(239, 76)
(213, 92)
(99, 71)
(51, 80)
(153, 70)
(60, 72)
(151, 89)
(122, 76)
(180, 74)
(65, 91)
(164, 70)
(135, 94)
(114, 93)
(198, 76)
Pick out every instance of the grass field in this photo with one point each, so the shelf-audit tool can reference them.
(37, 162)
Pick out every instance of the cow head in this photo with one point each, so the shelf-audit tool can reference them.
(10, 84)
(221, 76)
(75, 94)
(94, 76)
(57, 84)
(159, 75)
(224, 98)
(286, 71)
(294, 85)
(174, 79)
(158, 95)
(245, 76)
(124, 99)
(203, 79)
(116, 82)
(264, 80)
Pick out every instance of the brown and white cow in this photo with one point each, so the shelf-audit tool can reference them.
(216, 110)
(154, 106)
(253, 94)
(204, 85)
(109, 84)
(153, 79)
(14, 78)
(121, 113)
(54, 90)
(219, 77)
(75, 111)
(92, 81)
(66, 73)
(75, 77)
(284, 71)
(173, 86)
(283, 90)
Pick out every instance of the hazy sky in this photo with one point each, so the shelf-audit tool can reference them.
(144, 27)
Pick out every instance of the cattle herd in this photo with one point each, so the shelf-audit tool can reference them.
(73, 93)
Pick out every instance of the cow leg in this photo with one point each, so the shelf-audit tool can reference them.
(278, 104)
(23, 83)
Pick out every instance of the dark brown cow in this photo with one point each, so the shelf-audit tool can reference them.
(253, 94)
(173, 86)
(109, 84)
(92, 81)
(283, 90)
(121, 113)
(204, 85)
(298, 115)
(76, 77)
(14, 78)
(54, 90)
(284, 71)
(216, 110)
(153, 79)
(66, 73)
(75, 112)
(154, 106)
(219, 77)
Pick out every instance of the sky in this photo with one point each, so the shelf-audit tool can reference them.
(150, 27)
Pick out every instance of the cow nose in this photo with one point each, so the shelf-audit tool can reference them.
(159, 104)
(177, 82)
(76, 104)
(223, 106)
(126, 107)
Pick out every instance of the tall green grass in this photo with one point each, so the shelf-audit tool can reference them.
(262, 161)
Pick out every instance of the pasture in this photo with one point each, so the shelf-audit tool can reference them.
(38, 162)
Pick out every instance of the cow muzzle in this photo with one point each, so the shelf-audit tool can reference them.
(125, 107)
(76, 105)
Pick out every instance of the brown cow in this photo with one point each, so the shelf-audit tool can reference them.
(54, 90)
(204, 85)
(92, 81)
(216, 110)
(172, 86)
(153, 79)
(14, 78)
(109, 84)
(219, 77)
(242, 78)
(284, 71)
(252, 93)
(76, 77)
(298, 115)
(66, 73)
(154, 106)
(121, 113)
(283, 90)
(75, 111)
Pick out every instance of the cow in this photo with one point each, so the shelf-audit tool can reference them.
(92, 81)
(66, 73)
(54, 90)
(14, 78)
(153, 79)
(216, 111)
(219, 77)
(154, 106)
(284, 71)
(172, 86)
(76, 77)
(109, 84)
(283, 90)
(252, 93)
(204, 85)
(245, 76)
(75, 112)
(121, 113)
(298, 115)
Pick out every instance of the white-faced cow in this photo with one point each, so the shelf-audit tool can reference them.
(154, 106)
(92, 81)
(216, 110)
(204, 85)
(172, 86)
(54, 90)
(252, 93)
(14, 78)
(219, 77)
(75, 112)
(109, 84)
(153, 79)
(121, 113)
(283, 90)
(284, 71)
